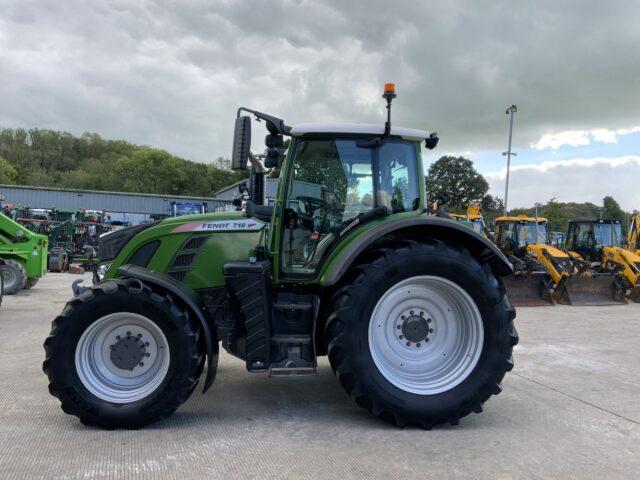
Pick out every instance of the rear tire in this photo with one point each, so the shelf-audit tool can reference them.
(387, 372)
(90, 378)
(15, 276)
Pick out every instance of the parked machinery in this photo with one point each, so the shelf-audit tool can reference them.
(475, 218)
(601, 242)
(24, 253)
(544, 274)
(633, 236)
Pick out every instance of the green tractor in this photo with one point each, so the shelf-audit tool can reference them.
(409, 308)
(24, 254)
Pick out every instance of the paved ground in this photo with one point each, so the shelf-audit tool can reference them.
(570, 409)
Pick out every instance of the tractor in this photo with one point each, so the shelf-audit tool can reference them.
(408, 307)
(24, 254)
(544, 274)
(601, 241)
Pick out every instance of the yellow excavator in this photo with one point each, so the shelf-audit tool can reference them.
(474, 217)
(633, 236)
(544, 274)
(601, 242)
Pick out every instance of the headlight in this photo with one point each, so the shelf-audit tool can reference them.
(103, 269)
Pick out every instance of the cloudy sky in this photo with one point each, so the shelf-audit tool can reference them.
(171, 75)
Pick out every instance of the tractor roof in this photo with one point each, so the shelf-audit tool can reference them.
(356, 129)
(521, 218)
(594, 220)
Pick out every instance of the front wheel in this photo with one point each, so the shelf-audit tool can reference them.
(420, 333)
(123, 355)
(14, 276)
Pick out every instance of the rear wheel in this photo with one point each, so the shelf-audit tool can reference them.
(123, 355)
(14, 276)
(432, 337)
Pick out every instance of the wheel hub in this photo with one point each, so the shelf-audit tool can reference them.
(128, 352)
(415, 328)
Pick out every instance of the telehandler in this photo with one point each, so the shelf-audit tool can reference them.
(544, 274)
(601, 241)
(24, 254)
(409, 308)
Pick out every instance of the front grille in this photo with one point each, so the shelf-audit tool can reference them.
(183, 260)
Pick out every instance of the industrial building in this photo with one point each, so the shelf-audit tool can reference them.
(128, 206)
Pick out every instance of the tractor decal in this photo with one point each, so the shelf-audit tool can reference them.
(249, 225)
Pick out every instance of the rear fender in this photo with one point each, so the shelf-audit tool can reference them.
(189, 297)
(421, 226)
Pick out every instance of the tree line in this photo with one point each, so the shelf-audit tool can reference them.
(457, 177)
(49, 158)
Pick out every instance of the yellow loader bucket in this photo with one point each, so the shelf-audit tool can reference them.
(590, 290)
(529, 290)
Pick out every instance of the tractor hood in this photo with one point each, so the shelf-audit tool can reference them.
(190, 248)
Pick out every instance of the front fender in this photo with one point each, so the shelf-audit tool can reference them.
(189, 297)
(421, 226)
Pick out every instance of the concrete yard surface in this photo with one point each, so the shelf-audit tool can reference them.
(569, 409)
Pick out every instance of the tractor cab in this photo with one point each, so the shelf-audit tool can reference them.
(589, 237)
(513, 234)
(335, 177)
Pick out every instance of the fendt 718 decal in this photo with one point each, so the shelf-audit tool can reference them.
(241, 225)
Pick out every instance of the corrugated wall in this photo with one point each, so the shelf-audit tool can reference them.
(36, 197)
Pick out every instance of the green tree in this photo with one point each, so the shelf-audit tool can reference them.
(8, 174)
(611, 210)
(456, 177)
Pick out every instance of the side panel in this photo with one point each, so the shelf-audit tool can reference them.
(193, 248)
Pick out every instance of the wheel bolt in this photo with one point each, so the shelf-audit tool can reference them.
(428, 320)
(399, 327)
(128, 334)
(401, 337)
(139, 335)
(422, 314)
(147, 354)
(411, 312)
(431, 330)
(146, 344)
(418, 345)
(112, 347)
(408, 344)
(142, 364)
(402, 317)
(117, 337)
(426, 339)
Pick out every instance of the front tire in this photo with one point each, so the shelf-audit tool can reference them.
(420, 333)
(122, 355)
(14, 275)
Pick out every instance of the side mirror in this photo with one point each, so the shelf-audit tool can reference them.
(432, 141)
(241, 143)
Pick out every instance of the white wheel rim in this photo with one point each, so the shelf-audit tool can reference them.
(122, 357)
(426, 335)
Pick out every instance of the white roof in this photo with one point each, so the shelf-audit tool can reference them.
(358, 128)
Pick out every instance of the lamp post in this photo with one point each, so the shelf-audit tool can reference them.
(510, 111)
(538, 204)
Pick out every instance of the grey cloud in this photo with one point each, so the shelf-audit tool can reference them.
(171, 74)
